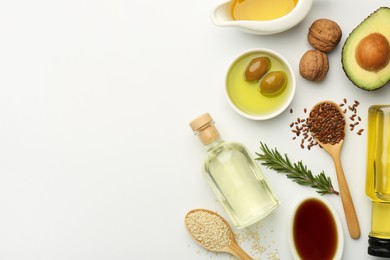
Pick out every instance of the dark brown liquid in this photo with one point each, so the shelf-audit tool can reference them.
(315, 231)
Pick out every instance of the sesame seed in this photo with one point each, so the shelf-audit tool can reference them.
(208, 229)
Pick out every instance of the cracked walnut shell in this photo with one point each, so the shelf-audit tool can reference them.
(314, 65)
(324, 34)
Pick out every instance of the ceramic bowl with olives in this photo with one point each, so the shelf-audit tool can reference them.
(260, 84)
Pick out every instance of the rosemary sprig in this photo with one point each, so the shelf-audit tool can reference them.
(297, 172)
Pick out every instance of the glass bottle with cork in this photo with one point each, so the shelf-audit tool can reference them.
(234, 176)
(378, 179)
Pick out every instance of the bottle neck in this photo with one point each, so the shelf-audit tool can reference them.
(208, 135)
(214, 144)
(380, 226)
(379, 237)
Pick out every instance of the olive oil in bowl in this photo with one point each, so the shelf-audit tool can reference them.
(246, 97)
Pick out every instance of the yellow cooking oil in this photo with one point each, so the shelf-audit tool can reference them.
(261, 9)
(378, 170)
(246, 96)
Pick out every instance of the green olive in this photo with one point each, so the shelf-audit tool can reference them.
(257, 68)
(273, 83)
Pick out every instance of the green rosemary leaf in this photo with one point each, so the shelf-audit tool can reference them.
(297, 172)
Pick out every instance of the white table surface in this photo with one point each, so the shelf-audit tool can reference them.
(97, 160)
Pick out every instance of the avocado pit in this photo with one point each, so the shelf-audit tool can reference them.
(373, 52)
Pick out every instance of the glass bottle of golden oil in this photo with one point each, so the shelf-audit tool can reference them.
(378, 179)
(234, 176)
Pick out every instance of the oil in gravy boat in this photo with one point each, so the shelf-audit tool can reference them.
(221, 16)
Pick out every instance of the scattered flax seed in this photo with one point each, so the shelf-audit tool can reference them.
(291, 110)
(301, 129)
(208, 229)
(353, 109)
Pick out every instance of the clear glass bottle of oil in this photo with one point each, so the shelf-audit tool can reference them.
(378, 179)
(234, 176)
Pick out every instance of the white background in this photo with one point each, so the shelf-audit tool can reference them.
(97, 160)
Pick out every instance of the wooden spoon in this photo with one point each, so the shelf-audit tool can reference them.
(231, 247)
(334, 150)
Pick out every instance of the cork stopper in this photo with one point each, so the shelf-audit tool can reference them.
(203, 126)
(201, 121)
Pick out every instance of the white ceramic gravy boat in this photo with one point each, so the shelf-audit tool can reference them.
(221, 16)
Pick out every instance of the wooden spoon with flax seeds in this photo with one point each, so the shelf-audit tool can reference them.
(327, 126)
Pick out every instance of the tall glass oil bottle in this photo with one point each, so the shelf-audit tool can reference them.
(234, 176)
(378, 179)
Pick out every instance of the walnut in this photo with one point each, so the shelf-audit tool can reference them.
(314, 65)
(324, 34)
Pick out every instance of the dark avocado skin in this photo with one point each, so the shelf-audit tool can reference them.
(350, 38)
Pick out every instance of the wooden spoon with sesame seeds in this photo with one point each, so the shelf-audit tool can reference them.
(213, 232)
(327, 126)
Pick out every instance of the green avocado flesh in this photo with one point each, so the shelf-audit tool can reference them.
(377, 22)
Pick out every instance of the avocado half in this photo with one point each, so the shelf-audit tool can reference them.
(377, 22)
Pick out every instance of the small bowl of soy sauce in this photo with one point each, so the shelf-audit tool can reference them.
(315, 230)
